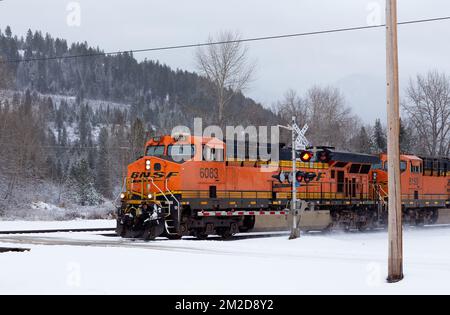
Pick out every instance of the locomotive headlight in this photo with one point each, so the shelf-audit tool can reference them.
(122, 196)
(149, 196)
(147, 165)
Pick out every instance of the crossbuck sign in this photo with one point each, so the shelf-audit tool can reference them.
(300, 141)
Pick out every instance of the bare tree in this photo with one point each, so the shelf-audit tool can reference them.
(227, 66)
(330, 121)
(292, 105)
(427, 105)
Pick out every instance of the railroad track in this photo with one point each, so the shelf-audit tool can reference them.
(237, 237)
(56, 231)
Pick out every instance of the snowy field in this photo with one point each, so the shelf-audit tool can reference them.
(334, 263)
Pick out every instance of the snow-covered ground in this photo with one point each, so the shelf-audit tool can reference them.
(54, 225)
(75, 263)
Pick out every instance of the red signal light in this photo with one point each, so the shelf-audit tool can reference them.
(324, 156)
(306, 156)
(299, 176)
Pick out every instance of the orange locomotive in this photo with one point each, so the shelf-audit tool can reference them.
(425, 184)
(187, 185)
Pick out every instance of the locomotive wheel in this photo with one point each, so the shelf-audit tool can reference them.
(120, 230)
(225, 233)
(130, 233)
(362, 226)
(149, 234)
(201, 236)
(174, 237)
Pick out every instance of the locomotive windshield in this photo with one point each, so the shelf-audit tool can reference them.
(157, 150)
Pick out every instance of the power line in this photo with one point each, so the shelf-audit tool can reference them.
(245, 40)
(62, 147)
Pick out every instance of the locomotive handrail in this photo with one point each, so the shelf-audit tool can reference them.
(178, 202)
(167, 199)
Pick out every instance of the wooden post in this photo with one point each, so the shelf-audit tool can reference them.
(395, 265)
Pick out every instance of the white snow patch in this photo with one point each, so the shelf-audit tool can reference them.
(40, 205)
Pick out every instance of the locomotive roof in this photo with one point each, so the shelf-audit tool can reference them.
(344, 156)
(339, 156)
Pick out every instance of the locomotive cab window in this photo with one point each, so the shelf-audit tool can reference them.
(157, 150)
(365, 169)
(403, 166)
(378, 166)
(181, 152)
(416, 169)
(354, 168)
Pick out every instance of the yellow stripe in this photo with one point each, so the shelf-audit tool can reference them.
(249, 194)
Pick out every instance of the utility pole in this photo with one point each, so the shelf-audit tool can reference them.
(395, 264)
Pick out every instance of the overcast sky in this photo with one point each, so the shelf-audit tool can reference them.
(353, 61)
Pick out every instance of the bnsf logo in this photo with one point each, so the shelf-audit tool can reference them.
(137, 175)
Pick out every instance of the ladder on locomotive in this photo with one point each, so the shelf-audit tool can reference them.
(382, 196)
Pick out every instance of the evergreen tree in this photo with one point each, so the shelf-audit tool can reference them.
(26, 105)
(82, 185)
(364, 143)
(379, 137)
(84, 127)
(137, 139)
(406, 139)
(8, 32)
(103, 169)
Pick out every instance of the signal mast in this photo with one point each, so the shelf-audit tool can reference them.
(307, 153)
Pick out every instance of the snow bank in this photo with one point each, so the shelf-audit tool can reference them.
(41, 211)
